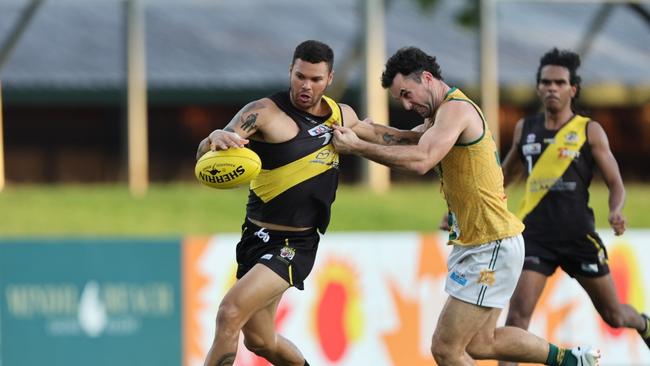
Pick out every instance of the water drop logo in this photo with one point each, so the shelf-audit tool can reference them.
(92, 314)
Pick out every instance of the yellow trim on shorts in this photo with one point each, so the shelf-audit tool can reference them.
(286, 243)
(597, 245)
(290, 276)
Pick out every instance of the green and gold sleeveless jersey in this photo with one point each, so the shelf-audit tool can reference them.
(472, 183)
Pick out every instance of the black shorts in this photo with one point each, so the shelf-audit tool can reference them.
(289, 254)
(585, 256)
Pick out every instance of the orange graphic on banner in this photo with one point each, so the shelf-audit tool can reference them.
(337, 315)
(432, 260)
(555, 316)
(193, 281)
(626, 274)
(403, 344)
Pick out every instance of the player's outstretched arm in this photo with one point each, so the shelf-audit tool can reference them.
(609, 168)
(434, 144)
(369, 131)
(512, 167)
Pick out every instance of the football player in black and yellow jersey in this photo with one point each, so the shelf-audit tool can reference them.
(558, 151)
(289, 201)
(488, 249)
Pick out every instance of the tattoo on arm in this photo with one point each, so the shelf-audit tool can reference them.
(249, 124)
(226, 360)
(393, 140)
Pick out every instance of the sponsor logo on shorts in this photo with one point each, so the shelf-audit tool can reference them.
(267, 256)
(486, 277)
(458, 278)
(263, 235)
(589, 267)
(287, 253)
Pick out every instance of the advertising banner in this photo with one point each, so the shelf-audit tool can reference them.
(371, 299)
(90, 302)
(374, 299)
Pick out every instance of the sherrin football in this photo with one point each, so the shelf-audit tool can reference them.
(227, 168)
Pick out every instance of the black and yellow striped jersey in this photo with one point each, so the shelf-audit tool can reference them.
(563, 213)
(297, 184)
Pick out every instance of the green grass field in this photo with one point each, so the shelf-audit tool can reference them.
(181, 209)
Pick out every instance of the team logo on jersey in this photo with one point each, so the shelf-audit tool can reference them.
(319, 130)
(322, 131)
(571, 137)
(531, 149)
(530, 138)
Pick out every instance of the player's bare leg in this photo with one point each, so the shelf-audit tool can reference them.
(603, 295)
(457, 326)
(259, 288)
(261, 338)
(522, 303)
(465, 328)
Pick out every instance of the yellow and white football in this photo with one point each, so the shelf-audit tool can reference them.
(227, 168)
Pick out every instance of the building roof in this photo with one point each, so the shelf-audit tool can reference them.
(75, 48)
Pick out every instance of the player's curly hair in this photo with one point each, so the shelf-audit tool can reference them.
(410, 62)
(565, 58)
(314, 52)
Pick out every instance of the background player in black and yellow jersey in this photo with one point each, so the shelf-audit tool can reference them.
(289, 201)
(558, 151)
(488, 253)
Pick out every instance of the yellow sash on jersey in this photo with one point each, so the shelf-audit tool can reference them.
(270, 183)
(553, 162)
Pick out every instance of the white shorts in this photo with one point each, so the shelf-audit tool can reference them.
(485, 275)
